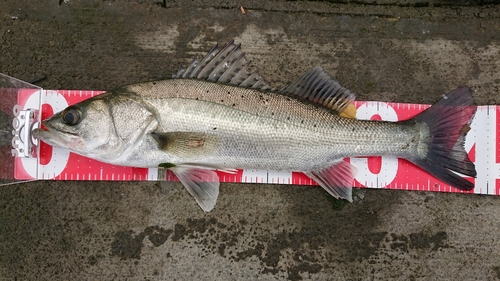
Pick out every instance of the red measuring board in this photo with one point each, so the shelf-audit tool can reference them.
(373, 172)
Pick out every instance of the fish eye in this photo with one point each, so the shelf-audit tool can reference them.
(72, 115)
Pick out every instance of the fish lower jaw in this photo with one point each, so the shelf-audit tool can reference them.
(54, 140)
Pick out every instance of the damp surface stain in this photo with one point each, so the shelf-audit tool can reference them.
(157, 235)
(292, 253)
(327, 240)
(127, 245)
(425, 241)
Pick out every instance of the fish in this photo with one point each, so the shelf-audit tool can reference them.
(215, 115)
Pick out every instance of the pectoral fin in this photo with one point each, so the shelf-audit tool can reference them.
(186, 144)
(336, 179)
(202, 184)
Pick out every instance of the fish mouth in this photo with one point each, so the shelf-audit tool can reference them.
(52, 129)
(55, 137)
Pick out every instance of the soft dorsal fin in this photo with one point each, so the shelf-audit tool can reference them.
(228, 65)
(318, 87)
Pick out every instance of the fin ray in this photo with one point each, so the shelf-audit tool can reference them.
(201, 65)
(336, 180)
(209, 72)
(228, 65)
(446, 154)
(203, 184)
(318, 87)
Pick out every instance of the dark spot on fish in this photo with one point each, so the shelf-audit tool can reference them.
(228, 93)
(154, 83)
(267, 99)
(196, 98)
(353, 129)
(207, 91)
(302, 122)
(166, 165)
(234, 104)
(314, 125)
(288, 118)
(215, 128)
(242, 96)
(272, 113)
(221, 100)
(366, 128)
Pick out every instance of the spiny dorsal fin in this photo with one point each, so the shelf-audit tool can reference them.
(228, 65)
(318, 87)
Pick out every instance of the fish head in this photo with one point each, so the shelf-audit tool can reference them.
(86, 128)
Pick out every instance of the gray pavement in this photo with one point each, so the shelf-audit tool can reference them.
(141, 231)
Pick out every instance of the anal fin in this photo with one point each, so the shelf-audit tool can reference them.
(336, 180)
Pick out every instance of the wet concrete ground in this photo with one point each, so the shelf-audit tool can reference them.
(132, 231)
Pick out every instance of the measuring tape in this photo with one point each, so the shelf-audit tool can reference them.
(41, 161)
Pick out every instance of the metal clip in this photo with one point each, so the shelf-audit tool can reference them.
(23, 143)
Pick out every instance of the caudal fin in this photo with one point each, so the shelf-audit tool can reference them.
(448, 121)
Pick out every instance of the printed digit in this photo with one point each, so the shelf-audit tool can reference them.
(388, 165)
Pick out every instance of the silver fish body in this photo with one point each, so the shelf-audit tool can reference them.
(193, 125)
(251, 129)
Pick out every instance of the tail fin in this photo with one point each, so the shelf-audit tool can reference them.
(448, 122)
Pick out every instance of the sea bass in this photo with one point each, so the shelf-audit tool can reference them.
(215, 115)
